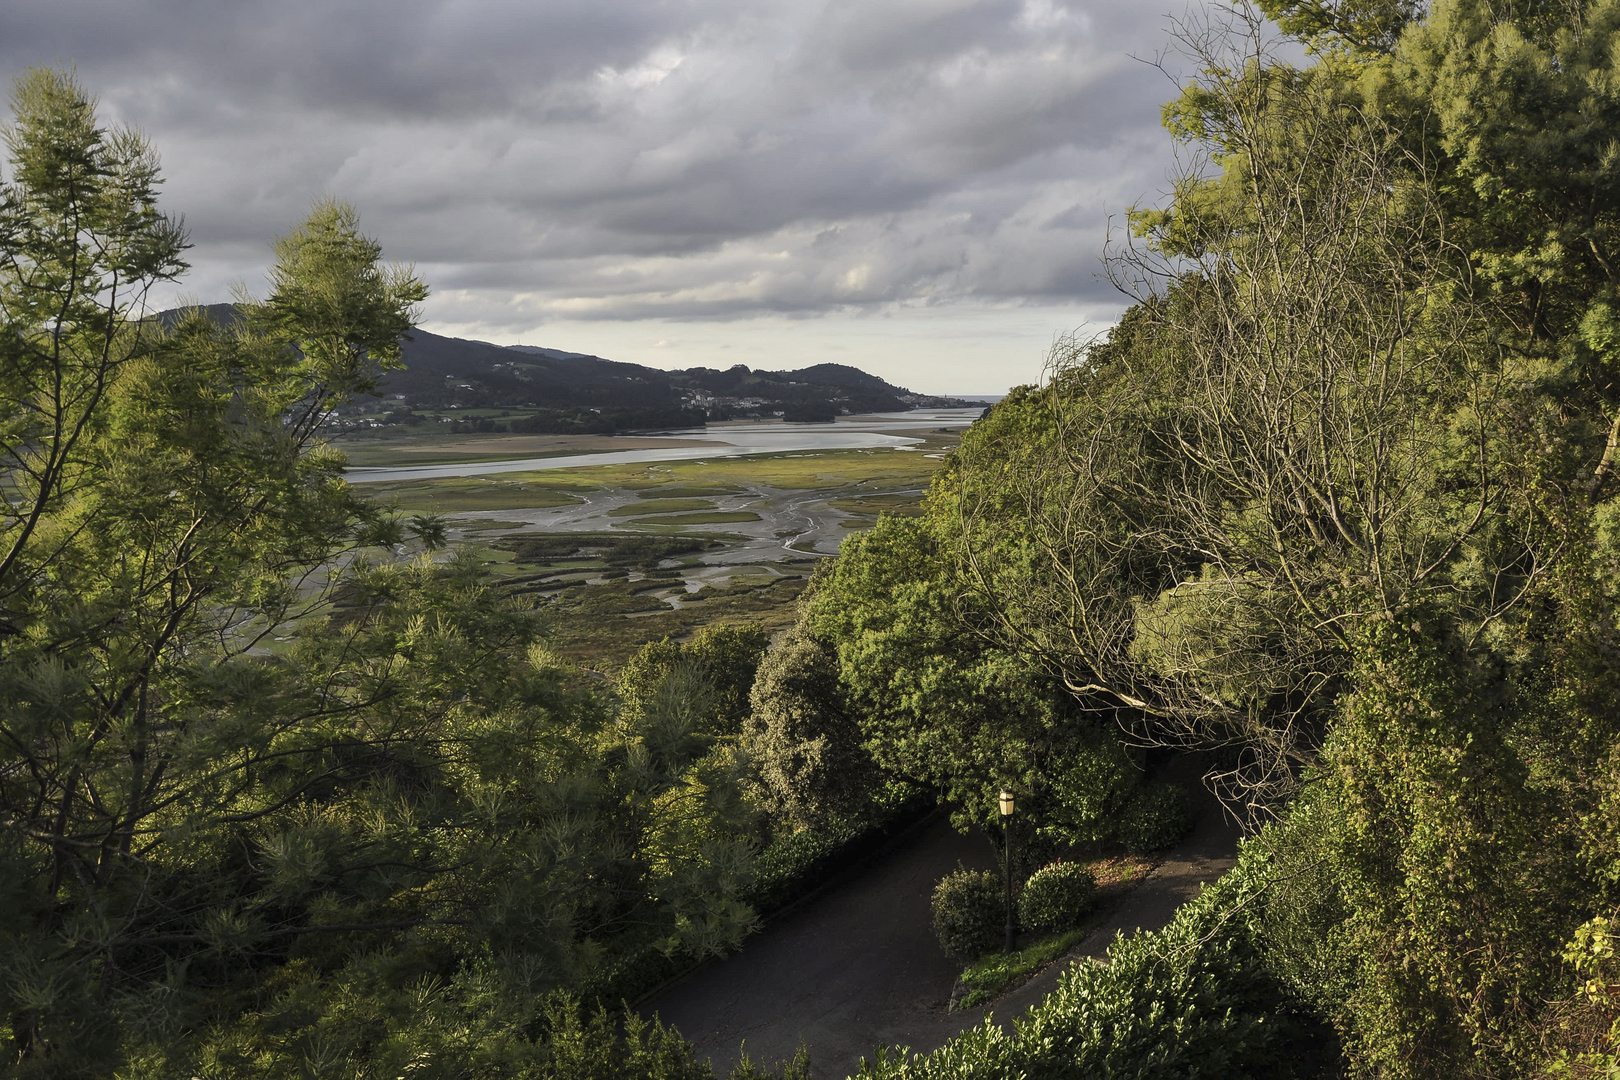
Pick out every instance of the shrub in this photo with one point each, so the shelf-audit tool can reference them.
(1031, 849)
(1056, 897)
(1093, 779)
(1190, 1000)
(1157, 817)
(646, 552)
(969, 913)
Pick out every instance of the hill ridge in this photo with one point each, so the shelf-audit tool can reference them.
(581, 391)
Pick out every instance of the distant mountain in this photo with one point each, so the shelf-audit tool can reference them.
(570, 391)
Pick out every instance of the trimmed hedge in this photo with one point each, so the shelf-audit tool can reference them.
(970, 913)
(1056, 897)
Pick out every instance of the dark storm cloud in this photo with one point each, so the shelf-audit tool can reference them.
(633, 158)
(403, 58)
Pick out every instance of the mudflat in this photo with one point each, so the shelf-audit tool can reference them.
(517, 445)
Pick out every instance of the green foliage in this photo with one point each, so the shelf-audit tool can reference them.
(805, 747)
(81, 246)
(1191, 1000)
(789, 867)
(340, 310)
(275, 798)
(1300, 926)
(1088, 784)
(1358, 26)
(1056, 897)
(970, 913)
(941, 707)
(1337, 498)
(1156, 817)
(996, 973)
(1585, 1029)
(794, 863)
(443, 1031)
(722, 659)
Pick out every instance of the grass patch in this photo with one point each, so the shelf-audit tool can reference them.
(646, 552)
(603, 641)
(484, 524)
(675, 491)
(812, 471)
(545, 548)
(661, 506)
(458, 494)
(815, 470)
(906, 503)
(717, 517)
(609, 598)
(612, 549)
(407, 457)
(997, 973)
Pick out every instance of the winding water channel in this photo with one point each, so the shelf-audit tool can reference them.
(715, 441)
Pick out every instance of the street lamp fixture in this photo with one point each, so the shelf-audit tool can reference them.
(1007, 805)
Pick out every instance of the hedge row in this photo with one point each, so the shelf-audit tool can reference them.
(1190, 1001)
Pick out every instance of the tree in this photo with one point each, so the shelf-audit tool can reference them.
(941, 704)
(81, 246)
(802, 742)
(1337, 496)
(723, 658)
(257, 771)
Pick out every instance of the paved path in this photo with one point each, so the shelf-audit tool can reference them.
(858, 967)
(848, 971)
(1207, 853)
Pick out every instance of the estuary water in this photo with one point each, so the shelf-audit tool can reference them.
(735, 440)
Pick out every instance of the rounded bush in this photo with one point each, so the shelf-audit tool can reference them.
(970, 913)
(1056, 897)
(1158, 816)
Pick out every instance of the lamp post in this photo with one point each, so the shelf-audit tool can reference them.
(1006, 858)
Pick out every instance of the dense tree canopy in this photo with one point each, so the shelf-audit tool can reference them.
(1337, 497)
(803, 744)
(277, 797)
(939, 705)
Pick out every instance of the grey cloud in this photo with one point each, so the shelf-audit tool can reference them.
(408, 58)
(607, 159)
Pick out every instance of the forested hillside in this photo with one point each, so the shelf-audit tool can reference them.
(1337, 499)
(440, 372)
(554, 391)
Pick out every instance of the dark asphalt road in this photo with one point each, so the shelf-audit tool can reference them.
(857, 967)
(853, 969)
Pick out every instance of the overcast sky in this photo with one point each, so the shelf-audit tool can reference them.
(921, 188)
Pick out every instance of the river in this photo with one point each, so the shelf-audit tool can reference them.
(735, 439)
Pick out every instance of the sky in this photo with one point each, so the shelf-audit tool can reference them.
(920, 188)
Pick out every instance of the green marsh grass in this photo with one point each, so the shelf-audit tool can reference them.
(717, 517)
(661, 506)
